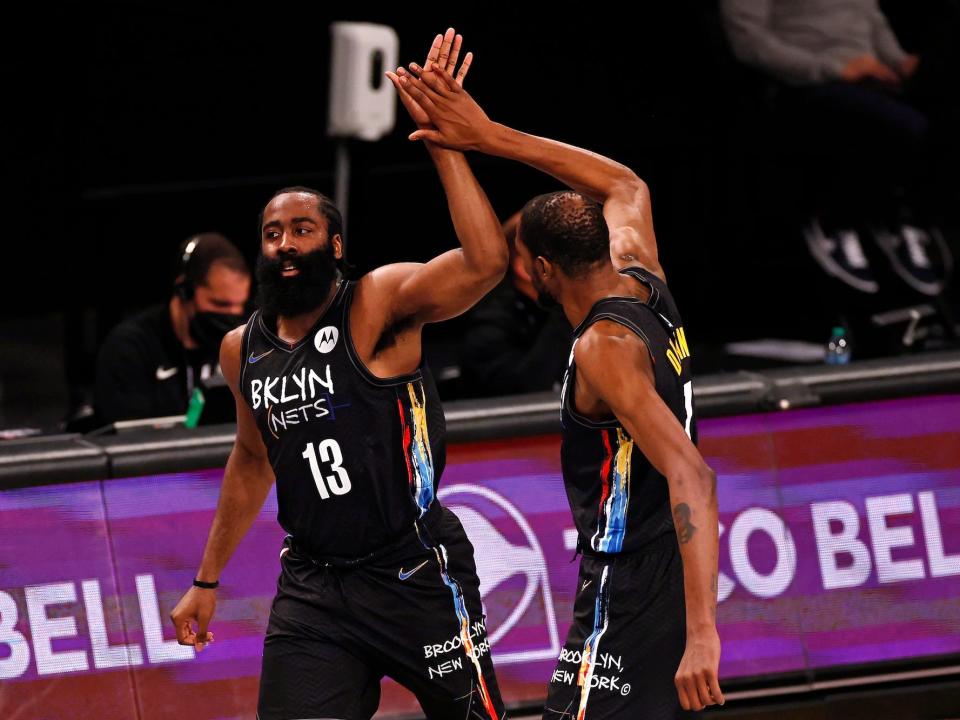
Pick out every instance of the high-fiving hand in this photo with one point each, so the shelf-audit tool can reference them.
(444, 52)
(456, 121)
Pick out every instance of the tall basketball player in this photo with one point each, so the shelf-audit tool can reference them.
(335, 405)
(644, 641)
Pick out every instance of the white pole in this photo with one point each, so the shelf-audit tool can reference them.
(342, 183)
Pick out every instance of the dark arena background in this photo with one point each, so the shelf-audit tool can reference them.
(129, 127)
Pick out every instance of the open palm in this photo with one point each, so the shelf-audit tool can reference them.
(445, 52)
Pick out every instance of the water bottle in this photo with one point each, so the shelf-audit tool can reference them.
(838, 347)
(194, 408)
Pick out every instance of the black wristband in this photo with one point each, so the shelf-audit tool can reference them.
(206, 585)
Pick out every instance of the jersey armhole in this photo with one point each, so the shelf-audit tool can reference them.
(569, 402)
(569, 399)
(630, 325)
(245, 348)
(642, 275)
(358, 363)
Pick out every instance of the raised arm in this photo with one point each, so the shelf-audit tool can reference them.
(460, 123)
(454, 281)
(246, 483)
(614, 365)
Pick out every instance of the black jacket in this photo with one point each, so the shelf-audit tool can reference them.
(144, 371)
(513, 345)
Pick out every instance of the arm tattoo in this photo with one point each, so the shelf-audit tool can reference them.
(681, 519)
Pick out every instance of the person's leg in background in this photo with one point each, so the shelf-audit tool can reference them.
(869, 157)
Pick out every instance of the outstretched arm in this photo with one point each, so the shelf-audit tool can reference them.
(615, 365)
(460, 123)
(454, 281)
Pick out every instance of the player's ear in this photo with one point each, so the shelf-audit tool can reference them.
(543, 267)
(337, 242)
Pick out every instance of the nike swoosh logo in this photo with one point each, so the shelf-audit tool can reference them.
(166, 373)
(405, 575)
(256, 358)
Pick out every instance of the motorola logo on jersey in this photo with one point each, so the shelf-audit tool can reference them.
(512, 568)
(326, 339)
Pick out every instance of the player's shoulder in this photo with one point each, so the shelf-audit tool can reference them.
(234, 339)
(230, 350)
(605, 343)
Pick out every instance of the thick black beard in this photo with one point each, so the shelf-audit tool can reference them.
(305, 291)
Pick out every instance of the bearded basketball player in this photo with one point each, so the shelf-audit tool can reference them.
(335, 405)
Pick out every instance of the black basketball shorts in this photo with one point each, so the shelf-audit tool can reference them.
(626, 641)
(413, 615)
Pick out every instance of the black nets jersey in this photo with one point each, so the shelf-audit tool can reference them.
(357, 458)
(619, 500)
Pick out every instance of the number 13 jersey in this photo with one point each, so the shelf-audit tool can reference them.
(357, 458)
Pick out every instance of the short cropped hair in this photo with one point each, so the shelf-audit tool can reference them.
(566, 228)
(198, 253)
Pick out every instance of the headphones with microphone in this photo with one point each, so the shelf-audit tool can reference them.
(184, 287)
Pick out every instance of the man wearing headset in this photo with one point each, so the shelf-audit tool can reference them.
(150, 364)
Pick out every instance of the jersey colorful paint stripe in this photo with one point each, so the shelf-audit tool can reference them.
(416, 446)
(618, 499)
(615, 494)
(591, 647)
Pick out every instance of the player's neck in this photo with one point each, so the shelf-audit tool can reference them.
(579, 296)
(291, 329)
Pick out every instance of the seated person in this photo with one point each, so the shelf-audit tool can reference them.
(512, 345)
(849, 92)
(150, 364)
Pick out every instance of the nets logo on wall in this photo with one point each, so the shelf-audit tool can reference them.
(514, 583)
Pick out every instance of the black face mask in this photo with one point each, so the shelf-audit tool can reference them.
(208, 328)
(305, 291)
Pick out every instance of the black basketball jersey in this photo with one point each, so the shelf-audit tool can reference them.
(619, 500)
(357, 458)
